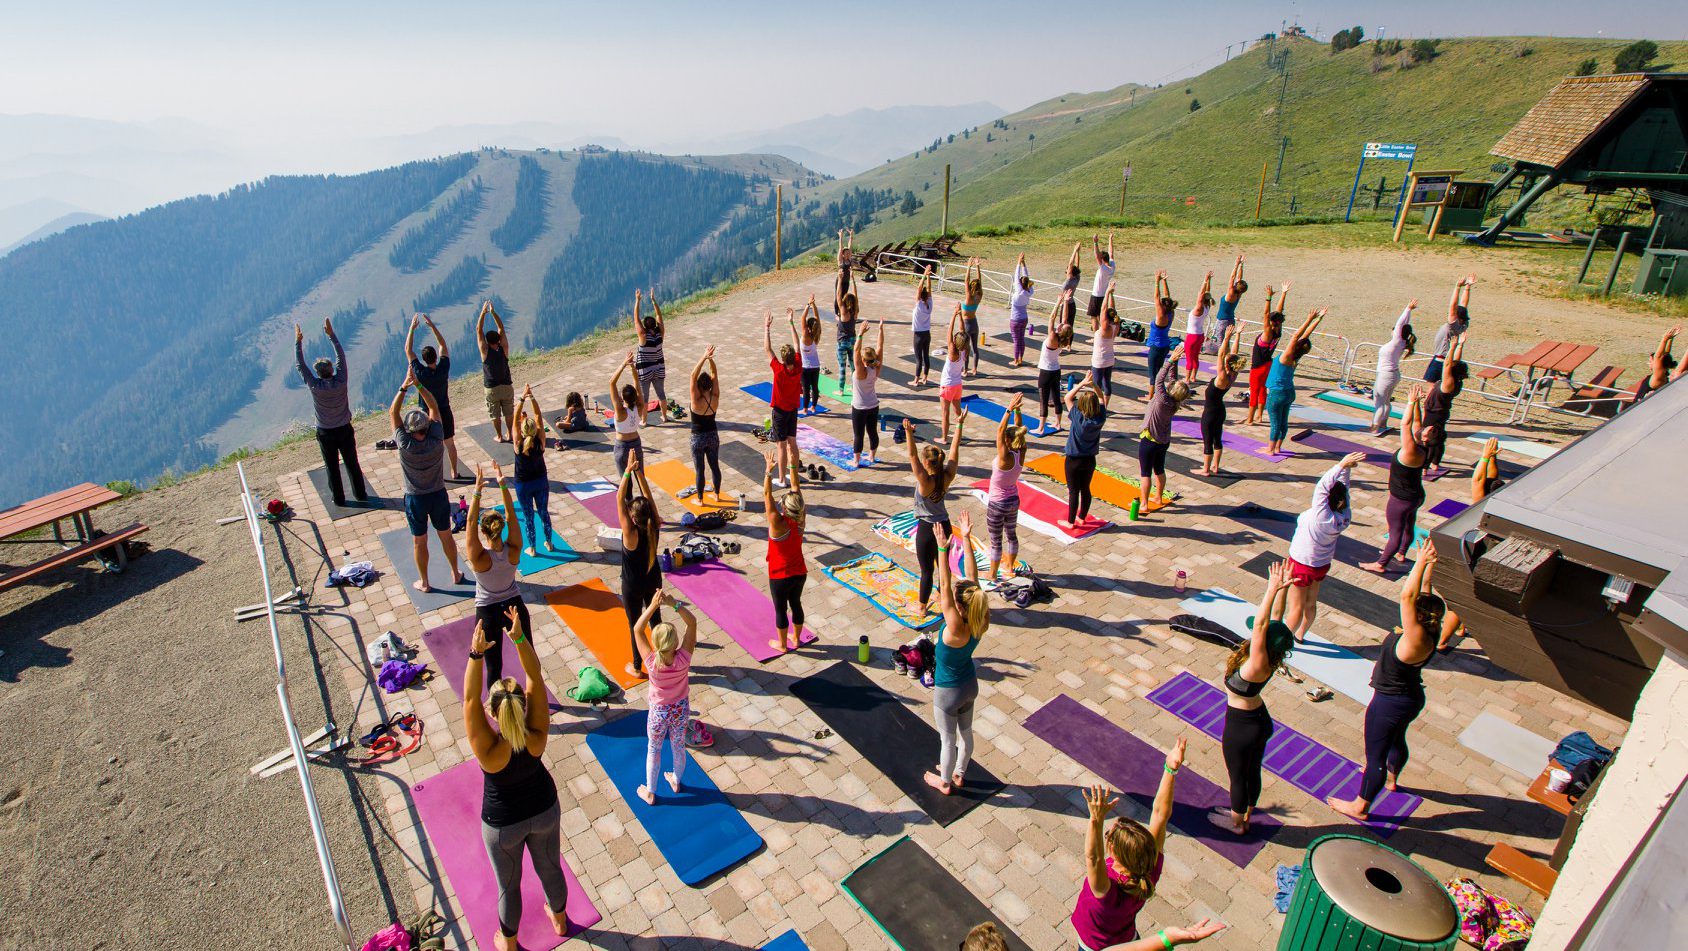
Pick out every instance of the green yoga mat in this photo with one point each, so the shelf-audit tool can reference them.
(1355, 401)
(834, 388)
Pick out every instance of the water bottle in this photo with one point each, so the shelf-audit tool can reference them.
(863, 651)
(1180, 581)
(1135, 505)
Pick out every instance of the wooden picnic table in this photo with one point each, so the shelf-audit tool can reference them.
(73, 507)
(1543, 365)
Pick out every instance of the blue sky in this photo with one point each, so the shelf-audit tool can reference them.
(652, 69)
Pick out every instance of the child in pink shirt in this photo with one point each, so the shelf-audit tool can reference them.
(668, 662)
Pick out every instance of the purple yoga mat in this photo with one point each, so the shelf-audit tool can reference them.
(744, 613)
(449, 643)
(1448, 508)
(450, 808)
(1324, 442)
(1231, 439)
(1290, 756)
(1134, 768)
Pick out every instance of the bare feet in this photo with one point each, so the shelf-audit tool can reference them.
(533, 552)
(1229, 821)
(956, 780)
(634, 671)
(646, 794)
(422, 585)
(1063, 524)
(549, 546)
(559, 920)
(1352, 808)
(778, 645)
(937, 782)
(1375, 567)
(1389, 781)
(503, 943)
(673, 783)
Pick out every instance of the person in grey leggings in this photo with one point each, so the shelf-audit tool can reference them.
(1400, 344)
(519, 808)
(955, 681)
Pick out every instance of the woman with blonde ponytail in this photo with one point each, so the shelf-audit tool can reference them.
(955, 681)
(519, 809)
(533, 482)
(1122, 864)
(668, 662)
(787, 571)
(493, 548)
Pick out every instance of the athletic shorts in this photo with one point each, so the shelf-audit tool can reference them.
(1302, 576)
(1094, 308)
(501, 401)
(419, 510)
(950, 394)
(785, 424)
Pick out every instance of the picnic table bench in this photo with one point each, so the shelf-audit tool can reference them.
(70, 515)
(1536, 371)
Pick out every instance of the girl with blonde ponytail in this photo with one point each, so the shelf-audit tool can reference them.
(668, 662)
(533, 482)
(955, 681)
(519, 808)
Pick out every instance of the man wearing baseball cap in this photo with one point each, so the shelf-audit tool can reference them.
(421, 440)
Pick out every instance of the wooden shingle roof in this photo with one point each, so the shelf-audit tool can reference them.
(1568, 116)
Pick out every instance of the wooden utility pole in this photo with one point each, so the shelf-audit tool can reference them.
(1260, 199)
(946, 197)
(779, 222)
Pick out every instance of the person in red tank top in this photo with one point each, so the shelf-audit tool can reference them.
(787, 394)
(786, 569)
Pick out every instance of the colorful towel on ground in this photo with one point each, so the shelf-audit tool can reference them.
(891, 588)
(813, 442)
(1104, 487)
(899, 530)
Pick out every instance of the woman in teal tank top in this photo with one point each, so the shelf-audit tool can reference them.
(955, 682)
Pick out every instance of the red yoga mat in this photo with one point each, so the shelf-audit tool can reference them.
(733, 603)
(1040, 506)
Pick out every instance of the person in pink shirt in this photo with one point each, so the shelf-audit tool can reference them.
(668, 663)
(1122, 864)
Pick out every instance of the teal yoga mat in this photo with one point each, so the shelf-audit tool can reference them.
(541, 559)
(1354, 401)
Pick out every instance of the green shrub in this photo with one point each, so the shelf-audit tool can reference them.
(1587, 67)
(1635, 57)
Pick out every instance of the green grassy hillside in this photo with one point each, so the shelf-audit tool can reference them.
(1063, 158)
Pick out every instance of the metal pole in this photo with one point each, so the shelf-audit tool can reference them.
(779, 222)
(1349, 214)
(1122, 183)
(1588, 256)
(1409, 177)
(946, 198)
(1260, 199)
(1283, 146)
(1617, 259)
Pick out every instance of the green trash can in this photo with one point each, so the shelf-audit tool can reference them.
(1357, 895)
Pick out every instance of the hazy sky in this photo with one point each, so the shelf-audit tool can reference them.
(654, 70)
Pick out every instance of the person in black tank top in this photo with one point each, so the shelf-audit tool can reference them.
(1213, 403)
(1439, 403)
(706, 438)
(1406, 484)
(1398, 686)
(641, 573)
(519, 808)
(533, 482)
(495, 374)
(1248, 725)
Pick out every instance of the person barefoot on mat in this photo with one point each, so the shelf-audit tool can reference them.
(421, 441)
(955, 681)
(788, 384)
(1248, 724)
(335, 438)
(629, 415)
(519, 807)
(652, 371)
(1661, 369)
(1485, 480)
(934, 470)
(1168, 394)
(974, 295)
(1262, 355)
(1439, 404)
(1019, 318)
(1060, 337)
(1389, 356)
(787, 571)
(1159, 340)
(641, 572)
(1103, 286)
(495, 374)
(432, 374)
(1406, 485)
(921, 327)
(1069, 288)
(864, 398)
(1398, 686)
(1459, 321)
(1225, 317)
(1213, 403)
(1195, 330)
(846, 306)
(533, 482)
(494, 549)
(1102, 345)
(949, 383)
(706, 438)
(1280, 382)
(1122, 865)
(1086, 415)
(668, 658)
(810, 353)
(1002, 501)
(1313, 547)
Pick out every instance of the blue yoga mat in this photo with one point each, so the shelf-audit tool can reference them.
(790, 941)
(540, 559)
(697, 830)
(763, 391)
(984, 409)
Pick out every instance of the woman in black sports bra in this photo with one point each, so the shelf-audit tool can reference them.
(1213, 403)
(706, 439)
(1248, 725)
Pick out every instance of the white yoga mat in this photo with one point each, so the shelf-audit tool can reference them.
(1523, 447)
(1508, 744)
(1333, 665)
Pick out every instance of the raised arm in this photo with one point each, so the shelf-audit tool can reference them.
(796, 338)
(768, 334)
(642, 629)
(538, 703)
(483, 739)
(512, 524)
(1328, 481)
(1207, 288)
(1283, 297)
(1486, 468)
(299, 353)
(479, 558)
(925, 283)
(480, 327)
(922, 479)
(656, 310)
(410, 339)
(340, 371)
(439, 338)
(428, 401)
(955, 322)
(1236, 275)
(398, 402)
(768, 507)
(1658, 366)
(623, 495)
(1405, 318)
(1267, 312)
(1418, 637)
(615, 385)
(1277, 587)
(1073, 261)
(1456, 353)
(953, 460)
(1410, 449)
(1020, 270)
(688, 640)
(703, 363)
(1161, 813)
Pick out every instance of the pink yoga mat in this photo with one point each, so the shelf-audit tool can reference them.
(1039, 506)
(743, 612)
(594, 499)
(450, 807)
(449, 643)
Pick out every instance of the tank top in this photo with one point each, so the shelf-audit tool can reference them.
(1197, 323)
(785, 555)
(1102, 352)
(530, 466)
(649, 358)
(630, 425)
(671, 684)
(703, 422)
(495, 368)
(1405, 482)
(1438, 406)
(1005, 483)
(1049, 358)
(1213, 402)
(1243, 687)
(953, 666)
(1261, 353)
(1281, 376)
(1112, 919)
(922, 316)
(864, 389)
(518, 792)
(497, 583)
(811, 356)
(1159, 336)
(952, 373)
(1394, 676)
(930, 510)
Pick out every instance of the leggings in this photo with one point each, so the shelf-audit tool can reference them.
(952, 709)
(788, 601)
(1017, 330)
(336, 444)
(811, 387)
(846, 352)
(1151, 458)
(622, 448)
(706, 451)
(541, 837)
(1002, 520)
(1080, 469)
(665, 721)
(659, 381)
(1104, 380)
(533, 496)
(1244, 742)
(1433, 452)
(864, 427)
(1278, 402)
(970, 327)
(636, 593)
(1383, 390)
(1400, 515)
(926, 552)
(1213, 431)
(922, 353)
(1257, 386)
(1192, 352)
(1048, 392)
(495, 623)
(1387, 719)
(1157, 359)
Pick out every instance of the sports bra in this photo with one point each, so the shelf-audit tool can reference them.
(630, 425)
(703, 422)
(1242, 686)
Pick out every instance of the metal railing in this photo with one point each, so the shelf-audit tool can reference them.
(330, 880)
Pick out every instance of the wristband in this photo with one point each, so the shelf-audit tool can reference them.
(476, 655)
(517, 638)
(1170, 771)
(1165, 940)
(943, 547)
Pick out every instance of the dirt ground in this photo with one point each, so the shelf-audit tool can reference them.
(133, 703)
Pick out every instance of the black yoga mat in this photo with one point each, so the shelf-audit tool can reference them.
(917, 903)
(1362, 603)
(318, 478)
(1185, 466)
(898, 741)
(502, 453)
(745, 459)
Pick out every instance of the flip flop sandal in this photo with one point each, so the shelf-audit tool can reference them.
(1320, 694)
(1291, 676)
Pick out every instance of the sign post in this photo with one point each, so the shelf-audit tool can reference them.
(1393, 151)
(1425, 190)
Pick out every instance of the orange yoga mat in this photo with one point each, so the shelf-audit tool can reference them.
(1103, 487)
(593, 612)
(672, 475)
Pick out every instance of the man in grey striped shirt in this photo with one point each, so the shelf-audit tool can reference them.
(331, 399)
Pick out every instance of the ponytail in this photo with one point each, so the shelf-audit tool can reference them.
(509, 707)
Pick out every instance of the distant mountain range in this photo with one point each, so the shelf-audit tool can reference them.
(61, 223)
(851, 143)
